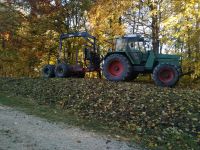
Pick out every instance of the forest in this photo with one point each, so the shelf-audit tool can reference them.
(140, 112)
(30, 29)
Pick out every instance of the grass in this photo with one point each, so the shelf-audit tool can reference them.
(54, 114)
(31, 107)
(51, 113)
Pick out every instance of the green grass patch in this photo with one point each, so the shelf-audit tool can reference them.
(56, 114)
(51, 113)
(31, 107)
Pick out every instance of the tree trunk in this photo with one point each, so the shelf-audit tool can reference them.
(189, 52)
(155, 34)
(155, 26)
(3, 44)
(197, 45)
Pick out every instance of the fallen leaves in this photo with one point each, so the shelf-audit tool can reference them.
(144, 110)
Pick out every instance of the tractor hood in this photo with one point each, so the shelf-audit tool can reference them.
(172, 59)
(166, 56)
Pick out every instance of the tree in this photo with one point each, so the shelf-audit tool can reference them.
(33, 37)
(184, 26)
(145, 18)
(105, 19)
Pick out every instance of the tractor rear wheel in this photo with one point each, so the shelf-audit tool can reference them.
(62, 70)
(166, 75)
(117, 67)
(48, 71)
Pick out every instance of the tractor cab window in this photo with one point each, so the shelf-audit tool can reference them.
(148, 46)
(121, 44)
(140, 46)
(131, 45)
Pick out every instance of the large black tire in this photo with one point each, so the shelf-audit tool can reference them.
(62, 70)
(166, 75)
(117, 67)
(48, 71)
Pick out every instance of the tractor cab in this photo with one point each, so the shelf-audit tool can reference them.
(135, 47)
(130, 43)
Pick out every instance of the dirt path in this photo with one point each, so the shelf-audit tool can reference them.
(20, 131)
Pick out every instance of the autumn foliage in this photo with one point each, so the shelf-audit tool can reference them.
(30, 29)
(159, 118)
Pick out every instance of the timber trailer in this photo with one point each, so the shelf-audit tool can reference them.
(64, 69)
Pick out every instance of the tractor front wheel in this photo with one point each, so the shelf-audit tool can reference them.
(48, 71)
(117, 67)
(166, 75)
(62, 70)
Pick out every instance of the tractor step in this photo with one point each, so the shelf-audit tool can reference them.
(139, 68)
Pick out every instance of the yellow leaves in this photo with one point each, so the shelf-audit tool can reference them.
(104, 18)
(183, 24)
(185, 16)
(197, 70)
(170, 21)
(152, 145)
(5, 35)
(153, 12)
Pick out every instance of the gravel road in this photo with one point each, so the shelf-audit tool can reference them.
(19, 131)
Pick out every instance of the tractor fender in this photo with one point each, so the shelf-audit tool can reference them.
(120, 53)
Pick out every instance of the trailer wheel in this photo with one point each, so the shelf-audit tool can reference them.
(62, 70)
(117, 67)
(166, 75)
(48, 71)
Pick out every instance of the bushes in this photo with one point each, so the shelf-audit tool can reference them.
(155, 115)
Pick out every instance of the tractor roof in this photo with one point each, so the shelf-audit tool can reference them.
(77, 34)
(134, 37)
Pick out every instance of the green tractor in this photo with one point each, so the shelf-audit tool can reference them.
(132, 56)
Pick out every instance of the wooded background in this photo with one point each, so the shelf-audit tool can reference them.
(30, 29)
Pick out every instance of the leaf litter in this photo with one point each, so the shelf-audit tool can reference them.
(161, 117)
